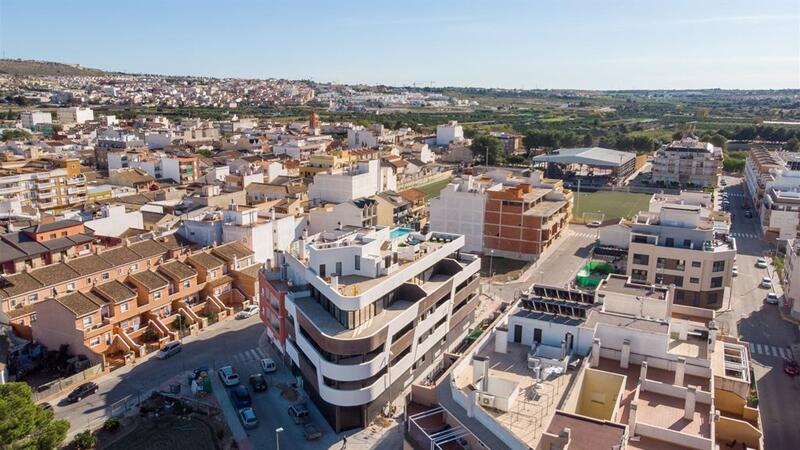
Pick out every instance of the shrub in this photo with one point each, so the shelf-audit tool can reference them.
(112, 424)
(84, 440)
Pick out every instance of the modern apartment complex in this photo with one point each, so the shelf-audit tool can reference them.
(773, 188)
(44, 184)
(685, 245)
(758, 171)
(181, 169)
(363, 312)
(688, 162)
(791, 277)
(76, 115)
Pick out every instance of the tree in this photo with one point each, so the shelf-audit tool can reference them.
(84, 440)
(15, 134)
(588, 141)
(486, 144)
(24, 425)
(719, 141)
(204, 152)
(677, 136)
(792, 145)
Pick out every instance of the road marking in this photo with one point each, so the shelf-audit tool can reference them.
(260, 352)
(758, 348)
(773, 350)
(782, 352)
(752, 347)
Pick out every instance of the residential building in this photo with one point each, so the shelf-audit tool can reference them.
(418, 214)
(791, 277)
(460, 209)
(75, 115)
(361, 212)
(182, 170)
(392, 209)
(522, 221)
(365, 179)
(46, 243)
(45, 184)
(367, 311)
(759, 169)
(779, 211)
(30, 119)
(449, 133)
(512, 143)
(686, 245)
(688, 162)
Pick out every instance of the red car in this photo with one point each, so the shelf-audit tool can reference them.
(791, 367)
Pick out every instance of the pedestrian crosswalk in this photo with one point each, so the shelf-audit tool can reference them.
(583, 234)
(745, 235)
(253, 354)
(770, 350)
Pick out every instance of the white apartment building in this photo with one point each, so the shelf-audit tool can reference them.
(791, 276)
(159, 166)
(688, 162)
(49, 186)
(263, 234)
(361, 212)
(460, 209)
(341, 185)
(449, 133)
(30, 119)
(689, 246)
(76, 115)
(759, 169)
(779, 213)
(370, 312)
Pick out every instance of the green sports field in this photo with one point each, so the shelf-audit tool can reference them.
(614, 205)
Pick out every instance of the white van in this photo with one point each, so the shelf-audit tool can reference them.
(228, 376)
(268, 365)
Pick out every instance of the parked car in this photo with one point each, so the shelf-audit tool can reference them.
(766, 283)
(228, 376)
(46, 406)
(258, 382)
(735, 271)
(81, 392)
(248, 418)
(772, 298)
(240, 397)
(723, 182)
(594, 224)
(748, 214)
(311, 432)
(172, 348)
(790, 367)
(761, 263)
(299, 413)
(268, 365)
(247, 312)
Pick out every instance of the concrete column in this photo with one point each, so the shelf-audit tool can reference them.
(689, 405)
(472, 403)
(680, 369)
(632, 418)
(501, 339)
(595, 353)
(626, 354)
(480, 372)
(643, 371)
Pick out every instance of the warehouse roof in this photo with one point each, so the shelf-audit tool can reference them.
(590, 156)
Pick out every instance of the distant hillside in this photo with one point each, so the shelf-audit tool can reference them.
(24, 67)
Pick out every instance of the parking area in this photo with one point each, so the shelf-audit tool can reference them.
(271, 407)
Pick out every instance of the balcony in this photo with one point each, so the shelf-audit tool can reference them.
(10, 190)
(76, 190)
(44, 185)
(77, 180)
(45, 195)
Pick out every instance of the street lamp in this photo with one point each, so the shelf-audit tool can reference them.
(491, 259)
(277, 437)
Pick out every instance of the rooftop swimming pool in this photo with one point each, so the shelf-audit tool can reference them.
(399, 232)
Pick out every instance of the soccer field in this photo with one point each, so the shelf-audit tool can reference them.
(614, 205)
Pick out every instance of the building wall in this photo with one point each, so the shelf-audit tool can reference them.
(459, 213)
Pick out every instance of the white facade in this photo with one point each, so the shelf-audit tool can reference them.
(331, 217)
(32, 118)
(460, 209)
(360, 137)
(342, 185)
(449, 133)
(780, 208)
(792, 277)
(76, 115)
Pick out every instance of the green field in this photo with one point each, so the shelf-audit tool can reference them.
(614, 205)
(432, 190)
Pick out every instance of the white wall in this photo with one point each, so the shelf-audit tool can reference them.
(340, 187)
(459, 213)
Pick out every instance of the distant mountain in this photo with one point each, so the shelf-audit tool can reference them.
(28, 67)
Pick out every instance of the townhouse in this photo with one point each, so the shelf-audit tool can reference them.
(43, 244)
(361, 312)
(120, 304)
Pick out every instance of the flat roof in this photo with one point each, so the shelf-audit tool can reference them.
(587, 433)
(590, 156)
(621, 285)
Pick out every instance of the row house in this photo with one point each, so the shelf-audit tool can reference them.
(43, 244)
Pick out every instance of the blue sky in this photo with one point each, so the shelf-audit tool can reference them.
(582, 44)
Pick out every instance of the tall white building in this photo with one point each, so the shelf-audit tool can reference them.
(688, 162)
(780, 206)
(460, 209)
(32, 118)
(449, 133)
(75, 115)
(370, 312)
(341, 185)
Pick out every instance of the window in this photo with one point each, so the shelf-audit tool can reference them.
(357, 263)
(696, 264)
(87, 321)
(88, 281)
(187, 283)
(678, 281)
(322, 270)
(718, 266)
(33, 297)
(124, 307)
(105, 275)
(52, 235)
(86, 246)
(95, 341)
(338, 268)
(63, 233)
(642, 260)
(70, 286)
(716, 282)
(157, 295)
(694, 280)
(212, 274)
(639, 275)
(217, 291)
(135, 266)
(687, 243)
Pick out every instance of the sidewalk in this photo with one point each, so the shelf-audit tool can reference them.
(231, 416)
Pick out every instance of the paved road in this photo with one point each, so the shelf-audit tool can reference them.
(761, 325)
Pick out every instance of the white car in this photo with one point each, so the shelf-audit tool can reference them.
(268, 365)
(173, 348)
(761, 263)
(247, 312)
(228, 376)
(735, 271)
(772, 298)
(766, 283)
(594, 224)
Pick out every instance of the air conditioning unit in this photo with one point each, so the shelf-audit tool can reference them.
(487, 400)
